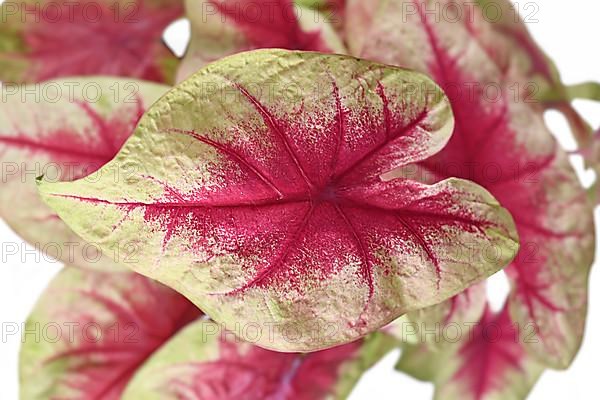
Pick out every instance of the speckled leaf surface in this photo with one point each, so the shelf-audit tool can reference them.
(490, 363)
(65, 130)
(501, 142)
(591, 155)
(90, 331)
(268, 206)
(48, 39)
(515, 48)
(443, 323)
(204, 362)
(511, 45)
(222, 28)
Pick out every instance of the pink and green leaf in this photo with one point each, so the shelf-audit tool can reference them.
(591, 155)
(47, 39)
(269, 207)
(514, 48)
(490, 363)
(224, 27)
(433, 325)
(204, 362)
(90, 331)
(64, 130)
(505, 134)
(332, 10)
(513, 43)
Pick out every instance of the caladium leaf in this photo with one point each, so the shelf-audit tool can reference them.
(591, 155)
(513, 47)
(489, 364)
(47, 39)
(224, 27)
(333, 10)
(90, 331)
(205, 362)
(502, 143)
(443, 323)
(268, 206)
(65, 130)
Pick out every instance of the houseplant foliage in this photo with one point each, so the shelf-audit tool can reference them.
(120, 319)
(223, 28)
(117, 320)
(175, 372)
(231, 204)
(549, 289)
(64, 130)
(41, 40)
(296, 192)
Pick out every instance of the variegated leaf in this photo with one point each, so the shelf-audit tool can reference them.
(64, 130)
(263, 198)
(501, 142)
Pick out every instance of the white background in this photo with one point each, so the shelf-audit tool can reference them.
(569, 32)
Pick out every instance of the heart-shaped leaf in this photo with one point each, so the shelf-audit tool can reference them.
(488, 364)
(224, 27)
(502, 143)
(205, 362)
(64, 130)
(46, 39)
(90, 331)
(262, 198)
